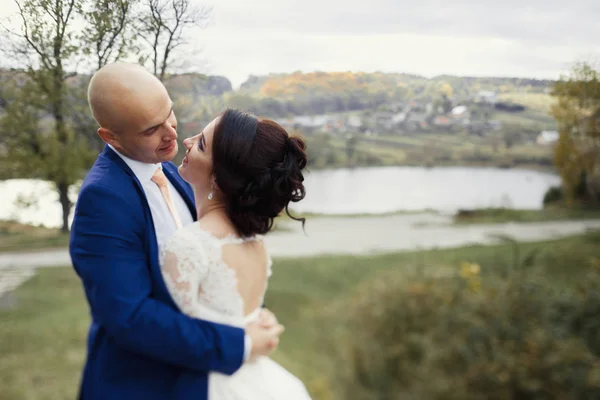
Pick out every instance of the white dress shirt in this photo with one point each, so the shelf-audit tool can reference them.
(164, 224)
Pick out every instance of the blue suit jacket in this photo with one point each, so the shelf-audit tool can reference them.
(139, 346)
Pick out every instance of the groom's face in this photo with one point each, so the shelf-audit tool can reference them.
(149, 133)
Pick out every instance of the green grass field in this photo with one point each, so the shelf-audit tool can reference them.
(42, 340)
(16, 237)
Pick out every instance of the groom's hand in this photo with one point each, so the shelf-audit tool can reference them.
(265, 339)
(267, 318)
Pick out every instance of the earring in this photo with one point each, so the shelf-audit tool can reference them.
(210, 195)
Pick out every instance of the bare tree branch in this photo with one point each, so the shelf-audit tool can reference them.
(108, 36)
(65, 22)
(26, 36)
(166, 23)
(52, 15)
(105, 54)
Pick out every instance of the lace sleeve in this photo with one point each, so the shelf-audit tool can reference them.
(180, 282)
(182, 272)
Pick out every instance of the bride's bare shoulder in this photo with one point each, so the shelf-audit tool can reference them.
(218, 228)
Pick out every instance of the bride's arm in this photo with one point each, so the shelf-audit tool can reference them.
(182, 281)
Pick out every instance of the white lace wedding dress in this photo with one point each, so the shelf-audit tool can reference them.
(205, 287)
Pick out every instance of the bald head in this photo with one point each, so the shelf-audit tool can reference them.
(135, 113)
(126, 97)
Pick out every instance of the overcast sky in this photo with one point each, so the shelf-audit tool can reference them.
(532, 38)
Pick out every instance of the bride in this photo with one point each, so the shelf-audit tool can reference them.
(244, 172)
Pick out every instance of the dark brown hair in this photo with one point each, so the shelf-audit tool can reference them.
(258, 168)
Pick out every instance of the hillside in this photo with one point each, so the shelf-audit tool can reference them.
(282, 86)
(368, 118)
(197, 85)
(314, 93)
(297, 93)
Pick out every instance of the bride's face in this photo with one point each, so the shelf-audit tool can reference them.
(196, 167)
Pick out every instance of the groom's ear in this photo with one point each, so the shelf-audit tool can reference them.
(107, 136)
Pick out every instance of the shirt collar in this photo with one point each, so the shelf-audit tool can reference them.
(143, 171)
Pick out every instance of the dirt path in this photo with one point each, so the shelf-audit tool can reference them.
(364, 235)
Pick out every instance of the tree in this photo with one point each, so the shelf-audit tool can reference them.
(45, 132)
(577, 113)
(108, 34)
(36, 122)
(163, 25)
(446, 89)
(351, 147)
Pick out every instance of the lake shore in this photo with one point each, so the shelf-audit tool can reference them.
(346, 191)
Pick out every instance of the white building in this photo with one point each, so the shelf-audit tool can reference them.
(547, 137)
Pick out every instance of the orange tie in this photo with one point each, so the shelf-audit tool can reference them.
(161, 181)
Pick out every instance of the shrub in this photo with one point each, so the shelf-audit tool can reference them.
(475, 335)
(553, 195)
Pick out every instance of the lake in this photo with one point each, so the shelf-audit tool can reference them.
(348, 191)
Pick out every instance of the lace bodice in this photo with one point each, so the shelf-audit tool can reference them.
(199, 281)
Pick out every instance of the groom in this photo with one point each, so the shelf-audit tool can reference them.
(140, 346)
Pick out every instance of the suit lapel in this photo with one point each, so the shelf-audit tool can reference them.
(151, 242)
(114, 157)
(160, 290)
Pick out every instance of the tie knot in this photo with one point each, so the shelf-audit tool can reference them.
(159, 178)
